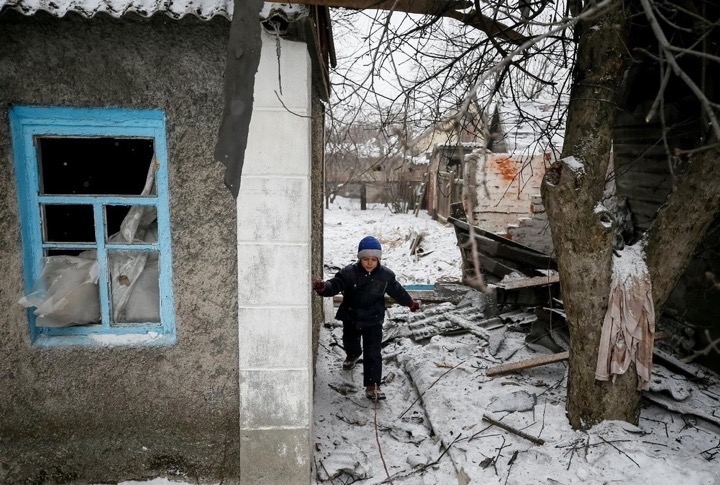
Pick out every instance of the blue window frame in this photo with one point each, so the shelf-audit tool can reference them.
(93, 201)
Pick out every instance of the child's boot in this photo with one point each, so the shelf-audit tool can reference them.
(373, 392)
(350, 362)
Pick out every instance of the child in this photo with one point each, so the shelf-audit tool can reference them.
(362, 311)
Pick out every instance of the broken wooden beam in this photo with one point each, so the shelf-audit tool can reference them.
(500, 424)
(526, 364)
(490, 265)
(515, 284)
(504, 254)
(676, 365)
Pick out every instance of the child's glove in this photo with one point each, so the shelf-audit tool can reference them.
(319, 287)
(414, 305)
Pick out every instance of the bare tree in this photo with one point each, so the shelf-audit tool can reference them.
(652, 60)
(362, 155)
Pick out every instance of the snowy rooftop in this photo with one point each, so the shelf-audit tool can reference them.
(204, 9)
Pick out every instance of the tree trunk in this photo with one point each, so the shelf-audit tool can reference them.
(583, 242)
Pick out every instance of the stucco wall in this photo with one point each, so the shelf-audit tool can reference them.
(107, 414)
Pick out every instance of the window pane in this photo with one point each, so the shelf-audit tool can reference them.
(127, 224)
(100, 166)
(134, 286)
(68, 223)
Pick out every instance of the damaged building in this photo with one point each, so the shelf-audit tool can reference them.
(159, 327)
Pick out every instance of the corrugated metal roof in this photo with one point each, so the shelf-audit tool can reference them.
(204, 9)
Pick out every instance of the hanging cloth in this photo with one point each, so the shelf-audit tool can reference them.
(628, 332)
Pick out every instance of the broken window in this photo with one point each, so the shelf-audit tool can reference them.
(92, 185)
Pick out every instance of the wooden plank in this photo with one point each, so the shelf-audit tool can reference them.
(526, 364)
(511, 253)
(500, 247)
(528, 282)
(464, 227)
(680, 407)
(489, 265)
(675, 364)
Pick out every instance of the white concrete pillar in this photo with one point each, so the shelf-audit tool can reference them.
(273, 270)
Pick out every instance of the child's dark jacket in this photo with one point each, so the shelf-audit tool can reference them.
(364, 293)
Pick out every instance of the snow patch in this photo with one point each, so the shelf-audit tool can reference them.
(573, 164)
(630, 261)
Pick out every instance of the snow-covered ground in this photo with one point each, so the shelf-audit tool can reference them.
(430, 430)
(436, 260)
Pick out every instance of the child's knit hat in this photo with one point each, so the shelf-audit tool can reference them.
(369, 247)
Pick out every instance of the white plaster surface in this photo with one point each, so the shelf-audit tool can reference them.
(274, 337)
(293, 78)
(278, 142)
(275, 398)
(260, 197)
(273, 274)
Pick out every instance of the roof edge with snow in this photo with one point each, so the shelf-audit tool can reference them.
(176, 9)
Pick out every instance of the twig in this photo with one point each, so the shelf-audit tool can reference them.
(327, 472)
(510, 464)
(499, 424)
(542, 424)
(696, 150)
(497, 456)
(481, 432)
(670, 59)
(572, 453)
(619, 450)
(709, 451)
(426, 390)
(422, 468)
(656, 444)
(667, 435)
(717, 446)
(553, 386)
(712, 345)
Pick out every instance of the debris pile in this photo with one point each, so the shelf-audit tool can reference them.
(476, 394)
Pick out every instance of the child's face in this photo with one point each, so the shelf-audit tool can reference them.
(369, 263)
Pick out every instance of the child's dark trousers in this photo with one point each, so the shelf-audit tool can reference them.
(371, 348)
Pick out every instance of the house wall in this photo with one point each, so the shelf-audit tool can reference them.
(534, 231)
(274, 261)
(505, 188)
(104, 414)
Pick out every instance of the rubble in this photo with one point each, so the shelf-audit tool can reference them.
(470, 383)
